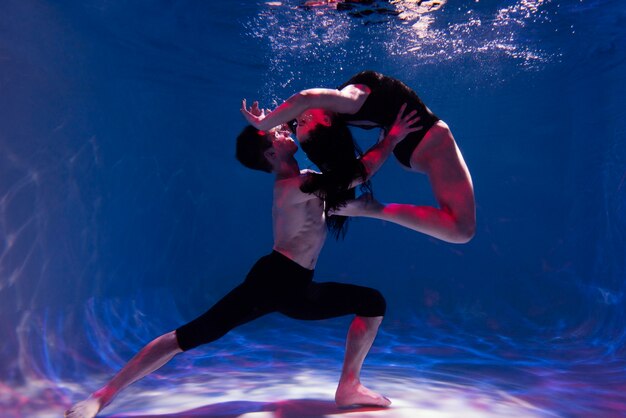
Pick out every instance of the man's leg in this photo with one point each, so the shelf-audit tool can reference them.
(331, 300)
(150, 358)
(350, 391)
(239, 306)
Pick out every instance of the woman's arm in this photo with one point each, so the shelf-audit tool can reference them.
(374, 158)
(347, 100)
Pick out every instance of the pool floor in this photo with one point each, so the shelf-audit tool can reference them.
(288, 369)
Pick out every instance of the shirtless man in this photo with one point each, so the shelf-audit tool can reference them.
(281, 281)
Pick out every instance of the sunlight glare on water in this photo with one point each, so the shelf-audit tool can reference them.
(417, 34)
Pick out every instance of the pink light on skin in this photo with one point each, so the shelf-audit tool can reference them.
(359, 325)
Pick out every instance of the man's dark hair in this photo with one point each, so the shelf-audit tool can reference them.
(251, 146)
(333, 150)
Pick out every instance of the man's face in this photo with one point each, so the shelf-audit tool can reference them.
(282, 142)
(309, 120)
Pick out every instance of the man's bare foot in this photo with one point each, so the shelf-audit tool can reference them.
(365, 205)
(358, 395)
(85, 409)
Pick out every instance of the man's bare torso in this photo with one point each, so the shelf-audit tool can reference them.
(298, 221)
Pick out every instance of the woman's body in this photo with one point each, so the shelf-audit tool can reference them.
(370, 100)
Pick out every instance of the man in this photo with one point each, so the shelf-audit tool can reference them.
(281, 281)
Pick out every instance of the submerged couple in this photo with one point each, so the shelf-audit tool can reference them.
(307, 203)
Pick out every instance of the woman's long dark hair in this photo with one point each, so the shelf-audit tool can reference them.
(333, 150)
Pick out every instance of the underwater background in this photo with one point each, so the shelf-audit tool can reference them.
(124, 214)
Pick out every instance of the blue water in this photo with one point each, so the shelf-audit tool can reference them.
(124, 214)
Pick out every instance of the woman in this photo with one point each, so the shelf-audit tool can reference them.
(368, 100)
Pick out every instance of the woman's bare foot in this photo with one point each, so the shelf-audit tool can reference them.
(356, 394)
(365, 205)
(85, 409)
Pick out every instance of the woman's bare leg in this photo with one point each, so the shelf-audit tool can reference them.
(150, 358)
(350, 391)
(440, 159)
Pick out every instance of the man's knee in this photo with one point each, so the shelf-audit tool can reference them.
(371, 304)
(191, 335)
(172, 341)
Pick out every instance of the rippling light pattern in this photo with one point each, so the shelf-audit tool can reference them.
(414, 33)
(441, 373)
(480, 35)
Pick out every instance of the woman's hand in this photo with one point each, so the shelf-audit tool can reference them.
(254, 115)
(403, 125)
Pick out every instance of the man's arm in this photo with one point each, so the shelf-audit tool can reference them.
(347, 100)
(374, 158)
